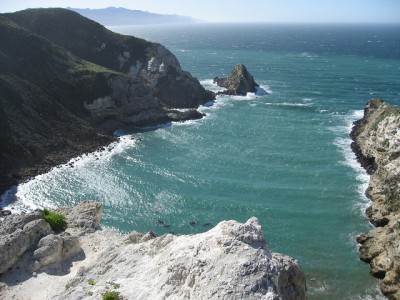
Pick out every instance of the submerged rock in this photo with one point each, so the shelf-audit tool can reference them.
(377, 146)
(240, 82)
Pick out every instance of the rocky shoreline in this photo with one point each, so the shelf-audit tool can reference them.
(230, 261)
(377, 147)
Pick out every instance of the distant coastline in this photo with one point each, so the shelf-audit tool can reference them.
(114, 16)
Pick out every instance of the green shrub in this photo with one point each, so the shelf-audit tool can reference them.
(91, 282)
(56, 221)
(111, 295)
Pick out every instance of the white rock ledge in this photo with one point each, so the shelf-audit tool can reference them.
(230, 261)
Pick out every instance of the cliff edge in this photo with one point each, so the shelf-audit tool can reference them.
(230, 261)
(377, 147)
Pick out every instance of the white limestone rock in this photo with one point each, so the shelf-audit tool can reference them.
(228, 262)
(22, 232)
(84, 216)
(54, 249)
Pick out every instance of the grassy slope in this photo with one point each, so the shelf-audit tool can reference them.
(42, 87)
(93, 42)
(81, 36)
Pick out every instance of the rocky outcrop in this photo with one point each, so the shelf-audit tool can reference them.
(230, 261)
(19, 233)
(240, 82)
(54, 249)
(85, 216)
(30, 235)
(377, 146)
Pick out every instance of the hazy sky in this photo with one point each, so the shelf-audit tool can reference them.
(242, 10)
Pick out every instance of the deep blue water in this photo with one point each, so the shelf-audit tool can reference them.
(283, 156)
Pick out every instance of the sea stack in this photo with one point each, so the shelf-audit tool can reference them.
(377, 146)
(240, 82)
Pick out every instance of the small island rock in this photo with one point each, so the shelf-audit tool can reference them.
(240, 82)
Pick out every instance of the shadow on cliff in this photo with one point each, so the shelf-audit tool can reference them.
(19, 273)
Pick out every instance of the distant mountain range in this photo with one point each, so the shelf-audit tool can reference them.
(113, 16)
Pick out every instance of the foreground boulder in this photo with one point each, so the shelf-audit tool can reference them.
(230, 261)
(18, 234)
(29, 237)
(377, 146)
(240, 82)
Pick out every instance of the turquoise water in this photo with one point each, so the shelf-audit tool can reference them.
(283, 156)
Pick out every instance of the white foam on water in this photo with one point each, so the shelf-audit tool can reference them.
(209, 84)
(373, 293)
(263, 90)
(343, 143)
(189, 122)
(20, 198)
(288, 104)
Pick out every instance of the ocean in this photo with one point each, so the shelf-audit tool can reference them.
(282, 154)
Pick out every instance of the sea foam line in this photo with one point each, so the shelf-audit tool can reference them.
(17, 199)
(343, 142)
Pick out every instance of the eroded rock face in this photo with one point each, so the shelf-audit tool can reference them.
(377, 146)
(240, 82)
(228, 262)
(85, 216)
(54, 249)
(151, 64)
(29, 234)
(19, 233)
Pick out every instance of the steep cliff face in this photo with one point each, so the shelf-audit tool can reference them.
(230, 261)
(52, 101)
(149, 62)
(377, 145)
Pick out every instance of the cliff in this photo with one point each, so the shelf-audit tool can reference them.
(151, 63)
(230, 261)
(62, 77)
(377, 146)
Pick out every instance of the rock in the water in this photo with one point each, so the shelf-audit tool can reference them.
(240, 82)
(377, 146)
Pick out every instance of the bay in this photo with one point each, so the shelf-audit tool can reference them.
(283, 156)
